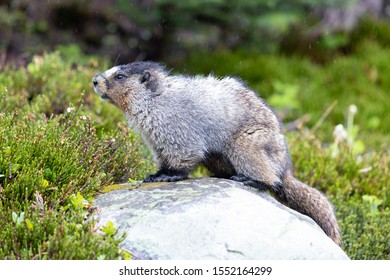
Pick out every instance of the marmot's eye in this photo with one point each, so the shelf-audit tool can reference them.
(119, 77)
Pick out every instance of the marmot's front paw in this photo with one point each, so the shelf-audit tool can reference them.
(162, 176)
(150, 178)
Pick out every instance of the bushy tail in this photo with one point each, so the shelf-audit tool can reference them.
(312, 203)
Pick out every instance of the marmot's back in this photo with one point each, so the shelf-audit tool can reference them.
(227, 102)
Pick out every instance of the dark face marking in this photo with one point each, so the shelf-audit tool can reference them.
(140, 67)
(143, 68)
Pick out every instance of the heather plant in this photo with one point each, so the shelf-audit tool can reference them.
(56, 152)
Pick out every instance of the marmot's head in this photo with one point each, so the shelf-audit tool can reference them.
(123, 84)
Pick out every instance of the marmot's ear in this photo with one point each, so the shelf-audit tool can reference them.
(145, 77)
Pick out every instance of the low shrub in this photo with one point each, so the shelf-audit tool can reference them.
(56, 152)
(357, 186)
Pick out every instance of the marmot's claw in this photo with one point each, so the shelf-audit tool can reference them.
(249, 182)
(239, 178)
(149, 178)
(164, 178)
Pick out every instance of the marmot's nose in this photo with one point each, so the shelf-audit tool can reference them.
(94, 81)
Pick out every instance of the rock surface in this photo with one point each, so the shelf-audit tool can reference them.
(211, 218)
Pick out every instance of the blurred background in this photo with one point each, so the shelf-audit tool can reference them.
(169, 29)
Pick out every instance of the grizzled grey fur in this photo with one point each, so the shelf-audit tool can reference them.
(218, 122)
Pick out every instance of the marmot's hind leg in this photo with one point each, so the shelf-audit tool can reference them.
(219, 165)
(260, 159)
(250, 182)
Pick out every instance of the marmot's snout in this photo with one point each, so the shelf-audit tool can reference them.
(94, 81)
(99, 86)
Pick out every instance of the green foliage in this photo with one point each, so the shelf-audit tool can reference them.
(332, 41)
(109, 229)
(285, 95)
(247, 22)
(59, 145)
(359, 190)
(160, 28)
(373, 30)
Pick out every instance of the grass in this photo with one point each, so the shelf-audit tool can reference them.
(60, 146)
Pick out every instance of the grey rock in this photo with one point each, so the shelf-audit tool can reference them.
(211, 218)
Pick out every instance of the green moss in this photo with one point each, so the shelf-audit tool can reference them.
(114, 187)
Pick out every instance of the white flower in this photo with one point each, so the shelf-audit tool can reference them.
(70, 109)
(352, 109)
(339, 133)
